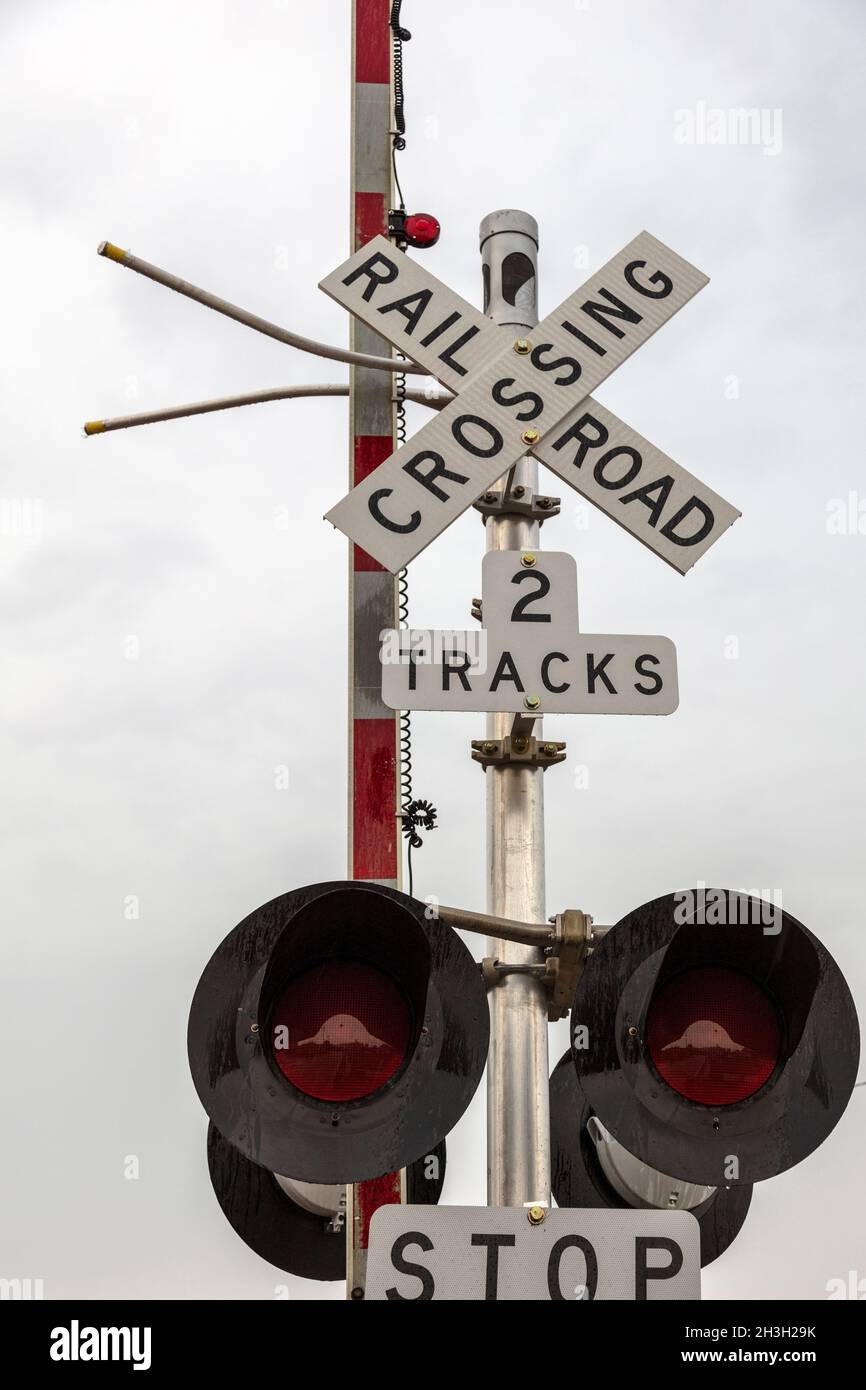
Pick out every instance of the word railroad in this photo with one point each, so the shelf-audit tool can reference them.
(529, 395)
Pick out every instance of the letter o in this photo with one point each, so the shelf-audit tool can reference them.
(457, 429)
(553, 1264)
(630, 474)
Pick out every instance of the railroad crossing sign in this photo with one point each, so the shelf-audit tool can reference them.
(528, 655)
(530, 394)
(418, 1254)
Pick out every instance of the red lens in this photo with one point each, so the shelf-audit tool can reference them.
(422, 229)
(713, 1035)
(340, 1030)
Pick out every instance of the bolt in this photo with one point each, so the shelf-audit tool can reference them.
(545, 503)
(521, 743)
(518, 491)
(357, 1293)
(489, 497)
(527, 559)
(530, 436)
(549, 749)
(523, 346)
(488, 748)
(531, 701)
(632, 1032)
(254, 1027)
(536, 1215)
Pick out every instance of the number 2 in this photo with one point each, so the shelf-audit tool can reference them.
(518, 613)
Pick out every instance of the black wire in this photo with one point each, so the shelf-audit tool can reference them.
(417, 814)
(399, 36)
(397, 180)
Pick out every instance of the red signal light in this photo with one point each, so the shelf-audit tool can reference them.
(421, 229)
(713, 1035)
(341, 1030)
(337, 1033)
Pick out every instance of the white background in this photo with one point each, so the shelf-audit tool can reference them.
(212, 139)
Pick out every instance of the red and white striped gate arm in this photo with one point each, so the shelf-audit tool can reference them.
(374, 750)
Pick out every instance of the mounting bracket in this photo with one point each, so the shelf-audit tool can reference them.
(517, 748)
(518, 502)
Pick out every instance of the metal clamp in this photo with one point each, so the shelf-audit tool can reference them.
(573, 930)
(565, 940)
(518, 502)
(493, 970)
(517, 748)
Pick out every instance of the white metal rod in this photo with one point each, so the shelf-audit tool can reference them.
(278, 393)
(518, 1110)
(271, 330)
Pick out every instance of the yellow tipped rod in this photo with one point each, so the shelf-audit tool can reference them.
(114, 253)
(231, 311)
(279, 393)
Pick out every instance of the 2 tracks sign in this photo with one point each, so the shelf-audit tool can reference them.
(529, 654)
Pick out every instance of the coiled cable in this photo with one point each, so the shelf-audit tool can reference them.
(399, 36)
(415, 814)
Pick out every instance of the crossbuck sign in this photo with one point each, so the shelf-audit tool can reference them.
(529, 395)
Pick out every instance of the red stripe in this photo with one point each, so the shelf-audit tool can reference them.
(362, 563)
(374, 829)
(370, 451)
(370, 218)
(372, 41)
(378, 1192)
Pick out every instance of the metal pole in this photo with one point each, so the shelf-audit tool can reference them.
(233, 311)
(518, 1112)
(374, 738)
(276, 393)
(498, 928)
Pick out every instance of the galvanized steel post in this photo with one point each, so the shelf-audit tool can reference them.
(518, 1115)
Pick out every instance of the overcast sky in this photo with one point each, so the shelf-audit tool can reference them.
(212, 139)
